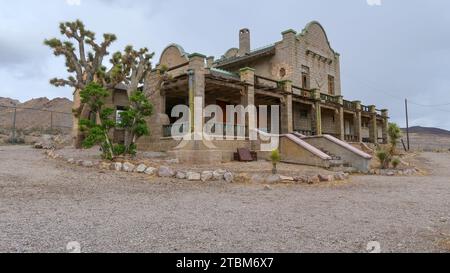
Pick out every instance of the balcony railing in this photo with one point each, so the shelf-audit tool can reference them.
(328, 98)
(304, 132)
(365, 108)
(348, 105)
(351, 138)
(238, 130)
(302, 92)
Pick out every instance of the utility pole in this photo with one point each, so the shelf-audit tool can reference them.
(407, 124)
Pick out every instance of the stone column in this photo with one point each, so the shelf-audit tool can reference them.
(316, 113)
(197, 86)
(358, 121)
(287, 120)
(248, 95)
(340, 126)
(373, 130)
(385, 115)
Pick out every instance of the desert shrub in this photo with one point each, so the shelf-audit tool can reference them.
(395, 133)
(395, 162)
(384, 158)
(275, 157)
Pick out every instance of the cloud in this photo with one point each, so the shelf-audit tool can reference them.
(73, 2)
(374, 2)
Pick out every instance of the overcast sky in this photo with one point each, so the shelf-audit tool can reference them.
(390, 49)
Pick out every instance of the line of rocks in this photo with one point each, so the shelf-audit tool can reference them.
(216, 175)
(162, 171)
(395, 172)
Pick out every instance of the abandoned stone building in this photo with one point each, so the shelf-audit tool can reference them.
(300, 73)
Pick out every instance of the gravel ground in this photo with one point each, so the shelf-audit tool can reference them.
(44, 204)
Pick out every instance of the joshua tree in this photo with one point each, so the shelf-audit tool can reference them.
(395, 133)
(84, 63)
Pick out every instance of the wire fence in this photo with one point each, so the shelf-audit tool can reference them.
(18, 123)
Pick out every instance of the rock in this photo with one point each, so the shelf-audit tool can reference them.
(165, 171)
(313, 180)
(326, 178)
(150, 171)
(273, 179)
(79, 162)
(207, 176)
(390, 173)
(193, 176)
(71, 161)
(257, 179)
(340, 176)
(173, 161)
(242, 178)
(117, 166)
(218, 174)
(87, 164)
(140, 168)
(38, 146)
(128, 167)
(301, 179)
(104, 166)
(286, 179)
(181, 175)
(267, 188)
(229, 177)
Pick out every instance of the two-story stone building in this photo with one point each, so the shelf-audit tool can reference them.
(300, 73)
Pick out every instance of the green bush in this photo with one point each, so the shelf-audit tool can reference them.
(395, 162)
(275, 157)
(384, 158)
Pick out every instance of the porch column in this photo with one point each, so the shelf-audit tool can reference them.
(385, 115)
(196, 87)
(248, 96)
(340, 130)
(287, 120)
(358, 121)
(373, 130)
(316, 113)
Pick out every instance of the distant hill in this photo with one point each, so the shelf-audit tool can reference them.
(36, 113)
(428, 131)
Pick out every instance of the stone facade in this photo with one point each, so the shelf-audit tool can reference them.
(300, 73)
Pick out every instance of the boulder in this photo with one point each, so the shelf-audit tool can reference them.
(326, 178)
(165, 171)
(193, 176)
(87, 164)
(128, 167)
(340, 176)
(229, 177)
(104, 166)
(218, 174)
(301, 179)
(273, 179)
(286, 179)
(71, 161)
(116, 166)
(207, 176)
(140, 168)
(242, 178)
(258, 179)
(150, 171)
(267, 188)
(181, 175)
(313, 179)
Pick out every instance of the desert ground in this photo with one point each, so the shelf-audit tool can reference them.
(45, 204)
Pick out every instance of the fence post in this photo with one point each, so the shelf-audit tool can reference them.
(14, 127)
(51, 122)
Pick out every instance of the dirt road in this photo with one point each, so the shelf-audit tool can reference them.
(45, 204)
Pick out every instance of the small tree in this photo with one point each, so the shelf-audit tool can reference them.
(395, 133)
(275, 157)
(133, 120)
(100, 123)
(384, 158)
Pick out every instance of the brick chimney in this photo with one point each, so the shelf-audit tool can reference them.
(244, 42)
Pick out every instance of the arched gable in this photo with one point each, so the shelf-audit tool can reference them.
(317, 38)
(173, 55)
(232, 52)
